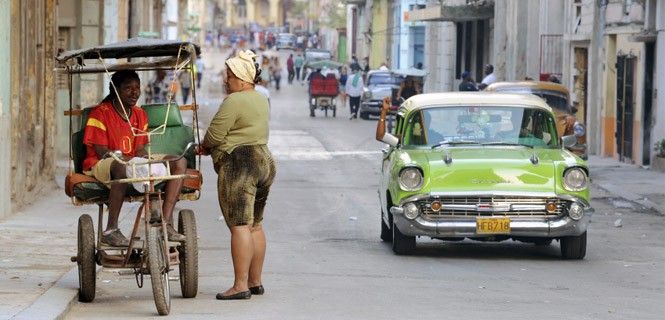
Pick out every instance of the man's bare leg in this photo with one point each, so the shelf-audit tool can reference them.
(173, 188)
(116, 195)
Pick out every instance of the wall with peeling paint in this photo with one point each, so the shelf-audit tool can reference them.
(32, 43)
(5, 158)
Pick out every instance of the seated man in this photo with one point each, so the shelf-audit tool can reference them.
(109, 128)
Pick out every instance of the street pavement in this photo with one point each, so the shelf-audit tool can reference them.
(325, 259)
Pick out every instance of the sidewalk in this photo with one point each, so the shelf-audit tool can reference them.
(37, 278)
(629, 182)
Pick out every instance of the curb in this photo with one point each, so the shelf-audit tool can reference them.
(56, 301)
(631, 197)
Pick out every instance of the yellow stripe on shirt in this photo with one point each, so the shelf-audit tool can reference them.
(96, 123)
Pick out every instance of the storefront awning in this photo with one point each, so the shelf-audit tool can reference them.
(459, 13)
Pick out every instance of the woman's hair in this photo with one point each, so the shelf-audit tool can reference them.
(117, 79)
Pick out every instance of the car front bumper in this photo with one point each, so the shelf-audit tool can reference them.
(465, 226)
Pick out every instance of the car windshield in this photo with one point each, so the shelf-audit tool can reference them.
(481, 125)
(384, 79)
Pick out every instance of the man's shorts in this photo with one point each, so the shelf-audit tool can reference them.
(102, 169)
(244, 181)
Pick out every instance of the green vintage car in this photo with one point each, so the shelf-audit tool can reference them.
(484, 166)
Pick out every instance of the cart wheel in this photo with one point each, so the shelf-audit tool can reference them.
(189, 254)
(85, 258)
(159, 275)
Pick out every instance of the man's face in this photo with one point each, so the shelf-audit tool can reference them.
(129, 92)
(488, 70)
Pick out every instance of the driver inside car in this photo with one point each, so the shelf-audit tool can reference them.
(113, 126)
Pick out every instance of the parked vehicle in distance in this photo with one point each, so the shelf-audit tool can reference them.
(286, 41)
(380, 84)
(484, 166)
(558, 98)
(313, 55)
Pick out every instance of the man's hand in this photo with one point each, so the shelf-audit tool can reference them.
(386, 105)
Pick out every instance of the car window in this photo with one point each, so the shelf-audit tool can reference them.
(375, 79)
(481, 125)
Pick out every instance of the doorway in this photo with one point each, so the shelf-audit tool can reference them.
(625, 105)
(648, 103)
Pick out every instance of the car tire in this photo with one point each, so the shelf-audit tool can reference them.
(364, 115)
(386, 233)
(402, 244)
(573, 248)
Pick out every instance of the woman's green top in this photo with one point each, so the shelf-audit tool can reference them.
(242, 120)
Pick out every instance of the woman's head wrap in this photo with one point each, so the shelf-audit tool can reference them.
(242, 65)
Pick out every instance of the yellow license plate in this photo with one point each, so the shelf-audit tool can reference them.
(493, 225)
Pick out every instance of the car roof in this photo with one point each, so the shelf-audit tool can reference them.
(534, 85)
(371, 72)
(473, 99)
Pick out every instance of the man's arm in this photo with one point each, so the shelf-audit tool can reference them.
(381, 125)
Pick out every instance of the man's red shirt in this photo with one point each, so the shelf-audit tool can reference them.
(105, 127)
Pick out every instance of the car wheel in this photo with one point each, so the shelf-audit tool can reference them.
(386, 233)
(573, 248)
(402, 244)
(364, 115)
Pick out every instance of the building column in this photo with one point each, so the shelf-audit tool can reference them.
(658, 132)
(5, 125)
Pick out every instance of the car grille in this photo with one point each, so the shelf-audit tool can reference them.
(497, 206)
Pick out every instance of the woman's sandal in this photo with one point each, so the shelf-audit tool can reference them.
(236, 296)
(258, 290)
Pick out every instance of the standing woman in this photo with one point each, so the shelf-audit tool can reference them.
(237, 140)
(344, 75)
(276, 70)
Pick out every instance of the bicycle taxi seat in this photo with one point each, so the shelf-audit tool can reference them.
(84, 189)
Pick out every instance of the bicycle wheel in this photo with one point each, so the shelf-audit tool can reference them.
(85, 259)
(189, 254)
(159, 275)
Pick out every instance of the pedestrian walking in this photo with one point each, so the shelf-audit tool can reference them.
(200, 67)
(343, 77)
(276, 71)
(298, 62)
(290, 68)
(157, 89)
(237, 142)
(265, 70)
(185, 80)
(467, 83)
(354, 88)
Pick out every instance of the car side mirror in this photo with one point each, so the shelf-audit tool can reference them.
(569, 141)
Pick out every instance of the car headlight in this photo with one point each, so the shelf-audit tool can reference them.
(410, 179)
(575, 179)
(411, 210)
(575, 211)
(367, 95)
(579, 129)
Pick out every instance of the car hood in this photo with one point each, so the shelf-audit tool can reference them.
(496, 169)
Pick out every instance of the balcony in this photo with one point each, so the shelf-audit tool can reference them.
(455, 11)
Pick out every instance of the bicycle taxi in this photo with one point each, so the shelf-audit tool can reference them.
(323, 90)
(149, 251)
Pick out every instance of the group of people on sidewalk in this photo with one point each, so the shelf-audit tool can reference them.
(236, 140)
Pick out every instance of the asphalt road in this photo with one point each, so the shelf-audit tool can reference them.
(325, 259)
